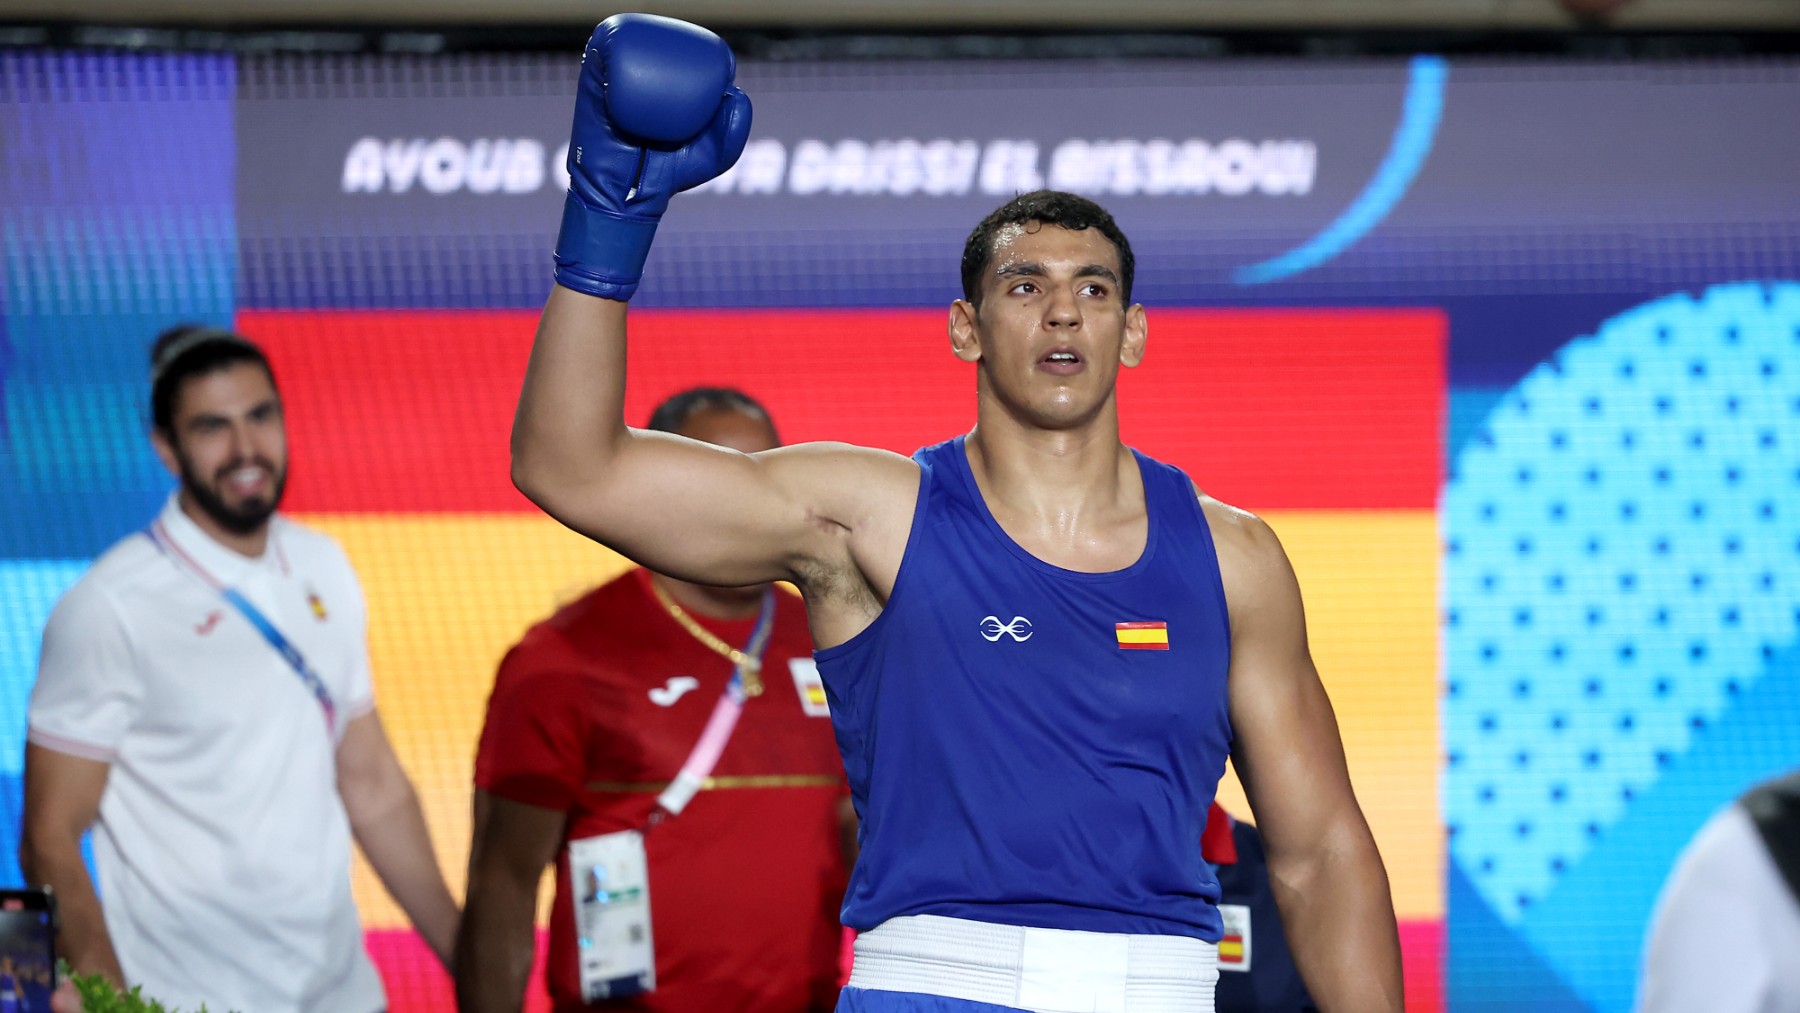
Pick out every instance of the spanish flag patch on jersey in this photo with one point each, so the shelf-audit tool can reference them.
(1142, 636)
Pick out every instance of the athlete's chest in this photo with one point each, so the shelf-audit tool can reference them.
(1121, 632)
(983, 622)
(1106, 543)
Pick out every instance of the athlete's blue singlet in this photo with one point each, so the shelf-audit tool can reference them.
(1015, 753)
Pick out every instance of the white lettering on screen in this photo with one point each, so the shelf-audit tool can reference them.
(445, 165)
(883, 167)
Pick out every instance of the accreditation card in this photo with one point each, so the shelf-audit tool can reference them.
(609, 876)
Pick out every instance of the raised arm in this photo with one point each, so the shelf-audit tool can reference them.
(1327, 876)
(679, 506)
(656, 113)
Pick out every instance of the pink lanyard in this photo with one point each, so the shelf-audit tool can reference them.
(705, 755)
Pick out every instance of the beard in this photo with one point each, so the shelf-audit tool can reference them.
(244, 518)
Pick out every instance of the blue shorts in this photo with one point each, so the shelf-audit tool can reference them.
(869, 1000)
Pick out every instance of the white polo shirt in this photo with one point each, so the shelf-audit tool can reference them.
(222, 847)
(1725, 936)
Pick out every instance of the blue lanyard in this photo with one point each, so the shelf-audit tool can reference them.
(261, 623)
(756, 645)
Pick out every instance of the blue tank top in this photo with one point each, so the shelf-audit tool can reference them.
(1024, 744)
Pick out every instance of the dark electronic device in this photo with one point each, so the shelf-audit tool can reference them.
(27, 950)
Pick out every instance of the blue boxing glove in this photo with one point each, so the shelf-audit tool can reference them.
(655, 114)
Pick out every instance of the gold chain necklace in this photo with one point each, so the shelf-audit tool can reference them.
(750, 668)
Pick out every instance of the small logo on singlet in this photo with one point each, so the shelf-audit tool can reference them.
(992, 629)
(211, 621)
(677, 687)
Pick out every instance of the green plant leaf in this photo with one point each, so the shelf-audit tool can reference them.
(100, 996)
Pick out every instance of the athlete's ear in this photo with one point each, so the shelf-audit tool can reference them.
(1137, 331)
(965, 339)
(165, 450)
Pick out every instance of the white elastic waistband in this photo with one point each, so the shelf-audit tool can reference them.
(1042, 970)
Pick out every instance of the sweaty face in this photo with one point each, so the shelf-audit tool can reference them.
(228, 445)
(1052, 329)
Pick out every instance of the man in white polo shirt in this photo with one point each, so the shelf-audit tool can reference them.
(204, 703)
(1726, 929)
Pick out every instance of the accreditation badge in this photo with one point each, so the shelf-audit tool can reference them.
(1234, 945)
(610, 878)
(810, 687)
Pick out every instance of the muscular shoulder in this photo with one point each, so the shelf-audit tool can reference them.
(861, 503)
(1241, 538)
(1252, 564)
(851, 486)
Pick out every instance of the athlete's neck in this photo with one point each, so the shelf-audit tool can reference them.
(712, 602)
(245, 543)
(1043, 474)
(1073, 498)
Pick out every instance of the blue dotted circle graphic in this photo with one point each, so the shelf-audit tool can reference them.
(1621, 560)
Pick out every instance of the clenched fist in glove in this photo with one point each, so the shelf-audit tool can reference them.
(655, 114)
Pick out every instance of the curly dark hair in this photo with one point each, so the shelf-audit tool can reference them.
(1047, 207)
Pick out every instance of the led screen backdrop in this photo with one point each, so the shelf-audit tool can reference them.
(1508, 354)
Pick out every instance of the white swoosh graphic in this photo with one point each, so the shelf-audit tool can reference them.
(676, 688)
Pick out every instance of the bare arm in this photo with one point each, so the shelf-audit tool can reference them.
(691, 511)
(62, 797)
(1327, 876)
(390, 828)
(512, 844)
(678, 506)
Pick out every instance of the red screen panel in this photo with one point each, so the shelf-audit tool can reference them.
(409, 411)
(1295, 409)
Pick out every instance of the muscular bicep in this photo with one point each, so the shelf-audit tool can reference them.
(717, 516)
(1286, 748)
(714, 515)
(689, 509)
